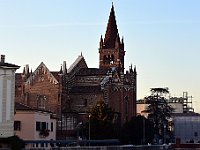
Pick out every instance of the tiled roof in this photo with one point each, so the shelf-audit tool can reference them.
(23, 107)
(91, 72)
(55, 74)
(85, 89)
(75, 63)
(5, 65)
(20, 106)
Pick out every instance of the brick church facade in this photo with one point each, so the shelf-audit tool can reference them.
(71, 92)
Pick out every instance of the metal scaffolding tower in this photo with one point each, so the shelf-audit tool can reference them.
(187, 103)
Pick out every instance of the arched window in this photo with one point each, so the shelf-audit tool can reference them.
(112, 59)
(126, 105)
(41, 100)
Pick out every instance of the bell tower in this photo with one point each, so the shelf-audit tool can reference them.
(111, 48)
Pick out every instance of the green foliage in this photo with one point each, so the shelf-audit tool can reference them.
(100, 122)
(138, 130)
(101, 112)
(16, 143)
(159, 112)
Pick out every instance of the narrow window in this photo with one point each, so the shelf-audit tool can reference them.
(17, 125)
(195, 134)
(51, 126)
(41, 100)
(44, 126)
(112, 59)
(126, 107)
(85, 102)
(104, 59)
(38, 126)
(126, 104)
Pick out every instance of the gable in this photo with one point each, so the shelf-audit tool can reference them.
(40, 71)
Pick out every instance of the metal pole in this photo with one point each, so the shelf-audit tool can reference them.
(89, 129)
(164, 133)
(143, 131)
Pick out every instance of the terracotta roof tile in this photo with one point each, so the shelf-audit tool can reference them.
(8, 65)
(85, 89)
(20, 106)
(91, 72)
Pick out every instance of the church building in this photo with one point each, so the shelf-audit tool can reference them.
(71, 92)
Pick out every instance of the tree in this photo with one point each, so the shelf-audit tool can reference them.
(16, 143)
(159, 112)
(139, 130)
(100, 122)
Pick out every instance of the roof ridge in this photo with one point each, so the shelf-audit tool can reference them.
(75, 63)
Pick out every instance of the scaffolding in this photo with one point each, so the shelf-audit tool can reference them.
(187, 103)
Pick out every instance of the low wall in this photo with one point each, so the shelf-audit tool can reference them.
(185, 146)
(122, 147)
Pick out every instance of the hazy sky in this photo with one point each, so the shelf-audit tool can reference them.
(162, 37)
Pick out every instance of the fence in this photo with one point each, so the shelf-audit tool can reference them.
(112, 144)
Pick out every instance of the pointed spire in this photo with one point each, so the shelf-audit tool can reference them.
(27, 70)
(101, 43)
(131, 69)
(111, 31)
(81, 53)
(135, 69)
(23, 71)
(61, 71)
(122, 43)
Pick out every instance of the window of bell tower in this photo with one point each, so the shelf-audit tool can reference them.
(112, 59)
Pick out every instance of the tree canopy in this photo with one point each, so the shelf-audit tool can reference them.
(101, 112)
(159, 111)
(139, 130)
(100, 122)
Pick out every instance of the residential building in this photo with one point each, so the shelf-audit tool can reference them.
(186, 127)
(34, 124)
(7, 95)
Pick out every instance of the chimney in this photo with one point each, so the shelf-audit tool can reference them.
(2, 58)
(27, 69)
(64, 68)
